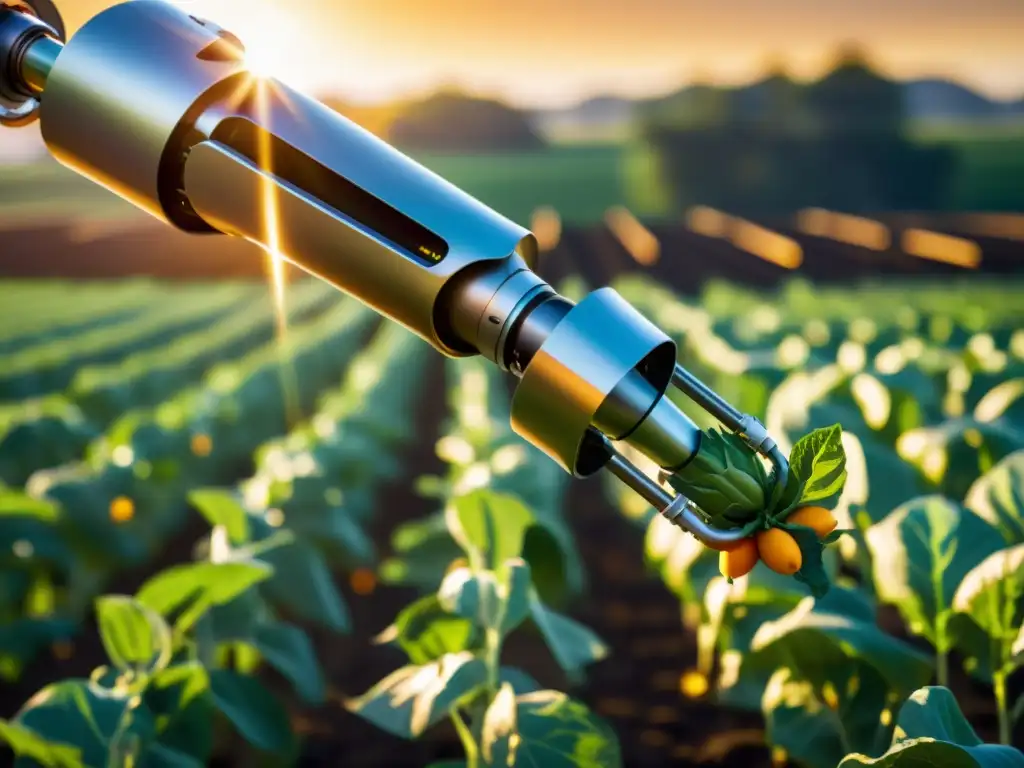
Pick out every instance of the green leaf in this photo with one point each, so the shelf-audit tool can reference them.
(473, 595)
(415, 697)
(920, 552)
(991, 595)
(931, 730)
(79, 713)
(573, 645)
(818, 460)
(27, 743)
(303, 584)
(160, 756)
(953, 454)
(134, 636)
(490, 527)
(193, 589)
(497, 745)
(520, 681)
(254, 711)
(180, 700)
(517, 595)
(803, 638)
(427, 632)
(15, 504)
(289, 650)
(556, 731)
(998, 497)
(812, 568)
(725, 479)
(817, 728)
(222, 507)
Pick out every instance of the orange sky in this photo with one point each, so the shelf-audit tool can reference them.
(557, 51)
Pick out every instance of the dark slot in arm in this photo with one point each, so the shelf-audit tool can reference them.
(303, 172)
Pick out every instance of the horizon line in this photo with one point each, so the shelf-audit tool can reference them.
(442, 84)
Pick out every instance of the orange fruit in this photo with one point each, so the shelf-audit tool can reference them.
(739, 560)
(818, 519)
(779, 551)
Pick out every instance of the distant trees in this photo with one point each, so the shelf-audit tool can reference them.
(446, 121)
(777, 145)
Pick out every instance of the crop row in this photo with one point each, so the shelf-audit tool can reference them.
(931, 408)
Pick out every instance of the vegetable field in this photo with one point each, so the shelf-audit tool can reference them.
(221, 544)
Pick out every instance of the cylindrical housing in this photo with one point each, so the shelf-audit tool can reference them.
(37, 62)
(569, 386)
(118, 93)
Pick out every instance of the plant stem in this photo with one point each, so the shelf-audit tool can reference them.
(942, 668)
(466, 737)
(999, 688)
(492, 658)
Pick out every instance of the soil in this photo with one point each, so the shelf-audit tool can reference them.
(636, 688)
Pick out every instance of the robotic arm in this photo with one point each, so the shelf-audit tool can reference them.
(159, 107)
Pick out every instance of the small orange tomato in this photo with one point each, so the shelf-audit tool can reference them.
(818, 519)
(740, 560)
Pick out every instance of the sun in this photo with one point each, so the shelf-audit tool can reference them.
(275, 39)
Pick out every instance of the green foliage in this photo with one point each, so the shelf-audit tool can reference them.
(925, 390)
(454, 638)
(931, 730)
(998, 497)
(920, 554)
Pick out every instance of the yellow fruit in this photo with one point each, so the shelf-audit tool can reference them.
(818, 519)
(779, 551)
(740, 560)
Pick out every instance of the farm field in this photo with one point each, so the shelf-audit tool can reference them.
(580, 180)
(256, 542)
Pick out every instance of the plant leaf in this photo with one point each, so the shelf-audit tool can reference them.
(180, 700)
(812, 569)
(998, 497)
(473, 595)
(27, 743)
(573, 645)
(427, 632)
(722, 480)
(76, 712)
(134, 636)
(499, 726)
(415, 697)
(222, 507)
(556, 731)
(288, 649)
(920, 552)
(159, 756)
(815, 732)
(990, 594)
(931, 730)
(303, 584)
(802, 640)
(818, 460)
(254, 711)
(517, 600)
(194, 588)
(490, 527)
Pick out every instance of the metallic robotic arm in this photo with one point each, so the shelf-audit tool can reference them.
(159, 107)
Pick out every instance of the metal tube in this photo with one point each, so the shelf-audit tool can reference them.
(706, 398)
(38, 60)
(651, 492)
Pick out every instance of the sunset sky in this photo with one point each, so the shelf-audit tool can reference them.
(550, 52)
